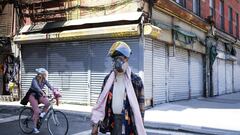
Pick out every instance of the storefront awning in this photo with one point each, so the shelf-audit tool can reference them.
(90, 33)
(80, 34)
(108, 20)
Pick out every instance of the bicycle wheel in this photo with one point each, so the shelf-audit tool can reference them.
(25, 120)
(57, 123)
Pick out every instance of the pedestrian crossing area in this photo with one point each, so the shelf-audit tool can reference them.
(149, 132)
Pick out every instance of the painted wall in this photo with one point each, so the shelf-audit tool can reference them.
(166, 34)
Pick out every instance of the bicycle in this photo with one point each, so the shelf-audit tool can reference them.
(57, 121)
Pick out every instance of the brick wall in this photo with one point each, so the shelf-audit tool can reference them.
(205, 12)
(235, 8)
(217, 17)
(189, 5)
(226, 28)
(6, 21)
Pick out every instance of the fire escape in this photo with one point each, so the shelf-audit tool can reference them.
(44, 10)
(5, 43)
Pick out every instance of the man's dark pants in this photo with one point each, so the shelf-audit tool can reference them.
(117, 130)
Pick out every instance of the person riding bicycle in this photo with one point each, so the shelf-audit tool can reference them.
(36, 95)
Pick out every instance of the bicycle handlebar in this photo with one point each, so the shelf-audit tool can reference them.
(50, 98)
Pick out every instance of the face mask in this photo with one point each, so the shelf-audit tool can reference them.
(125, 66)
(119, 65)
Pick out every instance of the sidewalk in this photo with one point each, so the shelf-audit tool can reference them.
(219, 115)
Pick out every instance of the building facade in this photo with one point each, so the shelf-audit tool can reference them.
(225, 40)
(179, 48)
(215, 26)
(9, 62)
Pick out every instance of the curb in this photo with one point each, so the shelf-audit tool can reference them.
(147, 124)
(189, 128)
(15, 109)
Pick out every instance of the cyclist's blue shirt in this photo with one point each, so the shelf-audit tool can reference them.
(39, 86)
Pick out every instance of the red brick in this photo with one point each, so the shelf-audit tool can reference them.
(205, 12)
(236, 9)
(189, 5)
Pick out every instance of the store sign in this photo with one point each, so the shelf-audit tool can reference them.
(152, 31)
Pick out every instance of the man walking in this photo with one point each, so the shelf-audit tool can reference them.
(120, 107)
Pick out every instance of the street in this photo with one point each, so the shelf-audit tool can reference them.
(77, 126)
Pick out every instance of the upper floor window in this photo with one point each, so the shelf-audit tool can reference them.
(196, 7)
(181, 2)
(211, 6)
(237, 25)
(230, 20)
(221, 11)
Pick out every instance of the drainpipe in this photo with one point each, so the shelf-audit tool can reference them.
(173, 37)
(208, 70)
(205, 76)
(210, 73)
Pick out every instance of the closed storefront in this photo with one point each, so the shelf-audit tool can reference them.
(179, 75)
(31, 60)
(173, 78)
(155, 70)
(196, 74)
(68, 69)
(237, 71)
(148, 70)
(159, 72)
(101, 64)
(221, 76)
(77, 68)
(215, 77)
(229, 76)
(236, 77)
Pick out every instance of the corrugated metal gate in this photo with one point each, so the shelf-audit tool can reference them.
(159, 72)
(68, 69)
(196, 74)
(236, 77)
(215, 77)
(221, 76)
(229, 76)
(101, 63)
(237, 72)
(32, 58)
(179, 75)
(100, 67)
(148, 69)
(77, 68)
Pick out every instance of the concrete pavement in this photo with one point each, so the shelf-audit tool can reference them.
(218, 115)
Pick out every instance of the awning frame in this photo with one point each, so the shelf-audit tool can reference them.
(100, 21)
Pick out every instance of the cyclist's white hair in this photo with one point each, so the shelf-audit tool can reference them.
(41, 71)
